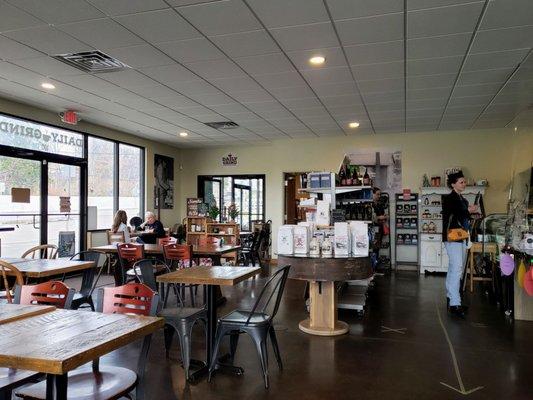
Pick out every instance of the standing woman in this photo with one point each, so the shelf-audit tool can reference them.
(455, 214)
(120, 225)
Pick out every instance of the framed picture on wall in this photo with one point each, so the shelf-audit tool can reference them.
(164, 182)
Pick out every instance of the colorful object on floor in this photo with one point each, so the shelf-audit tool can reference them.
(506, 264)
(521, 273)
(528, 282)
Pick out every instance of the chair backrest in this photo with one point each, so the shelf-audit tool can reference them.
(129, 253)
(9, 271)
(175, 252)
(144, 271)
(207, 240)
(270, 296)
(131, 298)
(87, 279)
(44, 251)
(115, 237)
(166, 240)
(53, 293)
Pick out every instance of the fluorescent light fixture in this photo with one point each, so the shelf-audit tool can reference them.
(353, 124)
(317, 60)
(47, 85)
(184, 134)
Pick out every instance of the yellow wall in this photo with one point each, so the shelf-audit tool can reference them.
(168, 217)
(482, 154)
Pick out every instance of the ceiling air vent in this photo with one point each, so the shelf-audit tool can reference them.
(94, 62)
(222, 125)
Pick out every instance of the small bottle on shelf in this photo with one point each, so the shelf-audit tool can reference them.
(349, 180)
(366, 178)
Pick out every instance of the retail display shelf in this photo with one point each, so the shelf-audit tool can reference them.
(407, 215)
(337, 189)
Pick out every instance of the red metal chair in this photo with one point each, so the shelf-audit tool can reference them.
(166, 240)
(109, 382)
(52, 293)
(178, 256)
(128, 254)
(207, 241)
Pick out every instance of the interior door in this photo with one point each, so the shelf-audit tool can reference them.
(242, 196)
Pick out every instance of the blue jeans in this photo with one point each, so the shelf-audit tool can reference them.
(456, 255)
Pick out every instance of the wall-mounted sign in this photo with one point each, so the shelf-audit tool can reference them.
(229, 161)
(64, 204)
(20, 195)
(196, 207)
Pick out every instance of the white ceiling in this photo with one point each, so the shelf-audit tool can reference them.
(391, 65)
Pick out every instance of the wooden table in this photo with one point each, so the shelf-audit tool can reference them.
(213, 277)
(14, 312)
(322, 273)
(59, 341)
(42, 268)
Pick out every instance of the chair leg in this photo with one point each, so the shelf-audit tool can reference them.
(91, 303)
(214, 356)
(169, 333)
(274, 341)
(260, 340)
(191, 292)
(5, 394)
(233, 342)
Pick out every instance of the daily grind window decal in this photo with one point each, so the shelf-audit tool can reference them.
(29, 135)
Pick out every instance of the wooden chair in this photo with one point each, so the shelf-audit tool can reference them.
(53, 293)
(44, 251)
(479, 248)
(109, 382)
(8, 272)
(128, 254)
(115, 237)
(166, 240)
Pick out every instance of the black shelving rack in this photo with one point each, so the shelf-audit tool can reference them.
(406, 229)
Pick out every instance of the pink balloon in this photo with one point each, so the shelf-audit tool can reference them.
(506, 264)
(528, 282)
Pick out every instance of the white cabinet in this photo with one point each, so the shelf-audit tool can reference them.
(430, 253)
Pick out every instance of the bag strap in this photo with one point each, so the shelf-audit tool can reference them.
(450, 223)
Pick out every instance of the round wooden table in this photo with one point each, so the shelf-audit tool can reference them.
(322, 273)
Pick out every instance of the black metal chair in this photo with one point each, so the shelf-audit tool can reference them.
(177, 319)
(248, 248)
(88, 283)
(257, 323)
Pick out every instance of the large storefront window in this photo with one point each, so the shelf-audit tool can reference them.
(101, 173)
(130, 167)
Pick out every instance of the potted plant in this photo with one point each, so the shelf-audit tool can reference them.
(213, 212)
(233, 211)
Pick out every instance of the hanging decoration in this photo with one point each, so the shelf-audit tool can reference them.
(506, 264)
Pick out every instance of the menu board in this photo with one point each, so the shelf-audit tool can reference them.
(196, 207)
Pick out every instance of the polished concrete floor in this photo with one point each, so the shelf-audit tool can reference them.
(404, 347)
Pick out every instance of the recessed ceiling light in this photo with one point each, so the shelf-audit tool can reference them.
(184, 134)
(317, 60)
(47, 85)
(353, 124)
(515, 128)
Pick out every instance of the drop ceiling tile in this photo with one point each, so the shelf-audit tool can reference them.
(265, 64)
(222, 17)
(19, 74)
(311, 112)
(348, 111)
(291, 92)
(250, 96)
(95, 85)
(434, 66)
(501, 123)
(48, 40)
(382, 85)
(333, 101)
(159, 26)
(336, 89)
(375, 53)
(476, 90)
(432, 93)
(325, 76)
(422, 4)
(169, 73)
(230, 109)
(279, 13)
(101, 33)
(443, 20)
(470, 100)
(486, 76)
(48, 66)
(386, 106)
(213, 69)
(504, 14)
(129, 78)
(280, 80)
(235, 84)
(363, 30)
(369, 72)
(11, 50)
(154, 92)
(140, 56)
(430, 81)
(343, 9)
(425, 113)
(244, 44)
(191, 50)
(500, 59)
(121, 7)
(438, 46)
(387, 115)
(296, 104)
(503, 39)
(475, 109)
(384, 97)
(60, 11)
(306, 37)
(427, 103)
(523, 74)
(212, 99)
(196, 86)
(15, 18)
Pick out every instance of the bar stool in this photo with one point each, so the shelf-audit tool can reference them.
(479, 248)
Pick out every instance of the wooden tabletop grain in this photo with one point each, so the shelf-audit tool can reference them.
(39, 268)
(208, 250)
(14, 312)
(200, 275)
(62, 340)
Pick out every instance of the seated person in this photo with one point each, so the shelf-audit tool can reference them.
(119, 225)
(153, 229)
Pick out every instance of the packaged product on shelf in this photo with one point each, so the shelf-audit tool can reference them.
(325, 180)
(322, 213)
(319, 235)
(327, 248)
(360, 240)
(314, 180)
(308, 202)
(302, 237)
(286, 239)
(342, 239)
(311, 225)
(314, 247)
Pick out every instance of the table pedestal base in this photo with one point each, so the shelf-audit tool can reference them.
(340, 328)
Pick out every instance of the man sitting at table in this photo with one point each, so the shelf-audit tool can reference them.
(153, 229)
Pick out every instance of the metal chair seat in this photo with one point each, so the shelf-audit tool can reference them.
(241, 317)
